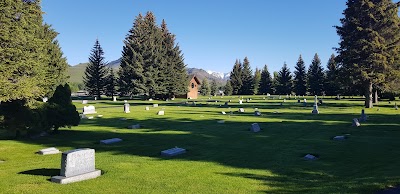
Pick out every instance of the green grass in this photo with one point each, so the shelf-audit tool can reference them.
(221, 158)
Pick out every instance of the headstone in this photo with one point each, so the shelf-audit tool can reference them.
(355, 123)
(89, 110)
(95, 98)
(241, 109)
(230, 100)
(173, 152)
(48, 151)
(363, 117)
(45, 99)
(91, 117)
(155, 105)
(395, 106)
(310, 157)
(147, 108)
(125, 101)
(110, 141)
(255, 128)
(123, 119)
(339, 138)
(137, 126)
(99, 116)
(337, 97)
(221, 121)
(224, 113)
(280, 97)
(284, 100)
(315, 107)
(257, 113)
(247, 100)
(114, 99)
(298, 101)
(126, 108)
(84, 101)
(226, 104)
(77, 165)
(240, 101)
(161, 112)
(268, 94)
(150, 99)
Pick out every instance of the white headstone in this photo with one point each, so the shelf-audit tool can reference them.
(155, 105)
(126, 108)
(45, 99)
(241, 109)
(339, 138)
(84, 101)
(89, 110)
(310, 157)
(95, 98)
(355, 123)
(224, 113)
(147, 108)
(77, 165)
(114, 99)
(161, 112)
(48, 151)
(240, 101)
(221, 121)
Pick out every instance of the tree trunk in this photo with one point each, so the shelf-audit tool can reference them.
(368, 96)
(376, 97)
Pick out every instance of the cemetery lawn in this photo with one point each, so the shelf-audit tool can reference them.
(220, 158)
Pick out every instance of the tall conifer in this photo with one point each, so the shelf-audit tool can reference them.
(266, 81)
(236, 77)
(284, 81)
(316, 77)
(300, 77)
(247, 78)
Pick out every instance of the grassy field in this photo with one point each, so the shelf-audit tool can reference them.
(221, 158)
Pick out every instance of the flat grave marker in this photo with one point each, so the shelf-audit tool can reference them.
(173, 152)
(110, 141)
(48, 151)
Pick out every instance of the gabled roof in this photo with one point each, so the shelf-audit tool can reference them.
(196, 79)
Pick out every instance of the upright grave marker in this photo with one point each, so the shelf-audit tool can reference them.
(77, 165)
(126, 108)
(89, 110)
(315, 107)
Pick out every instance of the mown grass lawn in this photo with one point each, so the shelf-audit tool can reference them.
(221, 158)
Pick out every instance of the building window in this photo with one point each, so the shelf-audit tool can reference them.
(192, 85)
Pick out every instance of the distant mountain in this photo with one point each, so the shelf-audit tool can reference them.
(77, 72)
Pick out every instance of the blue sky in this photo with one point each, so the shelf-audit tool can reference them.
(212, 34)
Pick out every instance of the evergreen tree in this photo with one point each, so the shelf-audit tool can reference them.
(111, 83)
(228, 88)
(131, 73)
(256, 81)
(236, 77)
(205, 89)
(369, 45)
(316, 77)
(275, 82)
(300, 77)
(332, 83)
(284, 81)
(61, 112)
(266, 81)
(247, 78)
(214, 88)
(96, 71)
(30, 58)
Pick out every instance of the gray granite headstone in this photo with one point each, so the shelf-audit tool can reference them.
(137, 126)
(255, 127)
(315, 107)
(310, 157)
(257, 113)
(221, 121)
(77, 165)
(363, 116)
(147, 108)
(155, 105)
(173, 152)
(241, 109)
(355, 123)
(110, 141)
(339, 138)
(48, 151)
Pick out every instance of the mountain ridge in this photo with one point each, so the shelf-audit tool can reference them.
(76, 72)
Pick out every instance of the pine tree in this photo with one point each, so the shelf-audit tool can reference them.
(111, 83)
(369, 45)
(214, 88)
(300, 77)
(205, 89)
(96, 71)
(247, 78)
(332, 83)
(256, 81)
(236, 77)
(316, 77)
(266, 81)
(228, 88)
(275, 82)
(131, 76)
(284, 81)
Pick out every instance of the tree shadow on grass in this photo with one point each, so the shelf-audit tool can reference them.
(42, 172)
